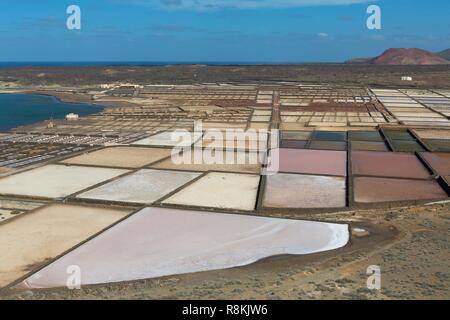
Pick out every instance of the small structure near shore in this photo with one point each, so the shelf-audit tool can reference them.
(72, 117)
(51, 124)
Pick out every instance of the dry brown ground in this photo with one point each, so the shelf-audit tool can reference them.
(411, 245)
(4, 170)
(364, 75)
(46, 233)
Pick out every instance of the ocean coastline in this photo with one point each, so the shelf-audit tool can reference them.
(16, 113)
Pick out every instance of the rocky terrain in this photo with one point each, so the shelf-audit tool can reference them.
(425, 76)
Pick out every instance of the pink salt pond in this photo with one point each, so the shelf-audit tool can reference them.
(158, 242)
(319, 162)
(388, 164)
(378, 190)
(440, 162)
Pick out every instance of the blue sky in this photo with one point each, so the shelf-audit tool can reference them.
(217, 30)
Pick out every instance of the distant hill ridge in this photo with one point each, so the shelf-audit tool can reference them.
(406, 56)
(444, 54)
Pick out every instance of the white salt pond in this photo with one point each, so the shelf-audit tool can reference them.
(55, 181)
(220, 190)
(158, 242)
(144, 186)
(170, 139)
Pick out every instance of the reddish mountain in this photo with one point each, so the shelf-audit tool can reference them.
(408, 57)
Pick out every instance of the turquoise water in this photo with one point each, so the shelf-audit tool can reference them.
(23, 109)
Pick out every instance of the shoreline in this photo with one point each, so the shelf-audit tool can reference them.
(75, 97)
(57, 101)
(61, 96)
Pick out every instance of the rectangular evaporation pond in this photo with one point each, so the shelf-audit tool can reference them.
(439, 162)
(219, 190)
(304, 191)
(365, 136)
(295, 135)
(56, 181)
(36, 237)
(239, 161)
(385, 164)
(378, 190)
(437, 145)
(432, 134)
(319, 162)
(144, 186)
(183, 242)
(368, 146)
(406, 146)
(328, 145)
(329, 135)
(293, 144)
(221, 135)
(425, 123)
(292, 126)
(170, 139)
(122, 157)
(258, 126)
(398, 135)
(234, 145)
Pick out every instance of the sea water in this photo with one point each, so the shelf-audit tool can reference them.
(24, 109)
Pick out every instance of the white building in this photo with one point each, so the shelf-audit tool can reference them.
(72, 117)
